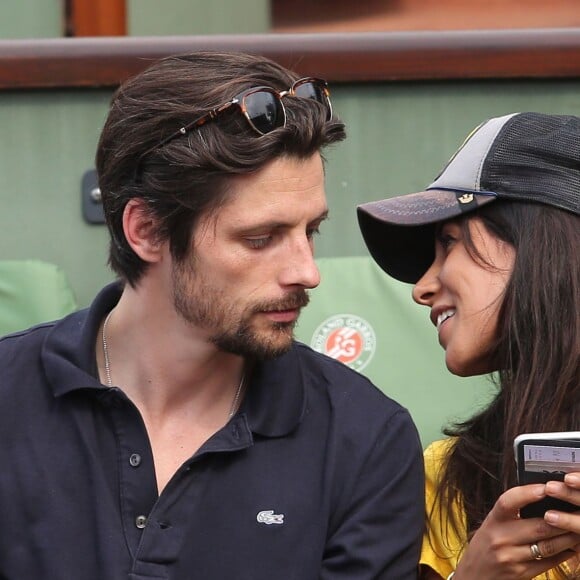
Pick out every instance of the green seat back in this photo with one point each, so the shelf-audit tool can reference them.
(31, 292)
(369, 321)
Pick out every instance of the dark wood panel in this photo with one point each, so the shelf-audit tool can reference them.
(96, 17)
(357, 57)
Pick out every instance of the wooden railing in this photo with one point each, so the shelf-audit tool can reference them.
(349, 57)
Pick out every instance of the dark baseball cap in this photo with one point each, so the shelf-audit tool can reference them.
(530, 157)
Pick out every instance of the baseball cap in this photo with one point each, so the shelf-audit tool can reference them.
(530, 157)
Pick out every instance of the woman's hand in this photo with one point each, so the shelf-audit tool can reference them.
(502, 547)
(568, 491)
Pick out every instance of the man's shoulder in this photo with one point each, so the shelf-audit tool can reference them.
(21, 375)
(344, 386)
(24, 341)
(329, 366)
(21, 352)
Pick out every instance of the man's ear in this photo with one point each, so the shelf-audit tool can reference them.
(140, 228)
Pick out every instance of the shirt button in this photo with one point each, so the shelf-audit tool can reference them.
(141, 522)
(135, 460)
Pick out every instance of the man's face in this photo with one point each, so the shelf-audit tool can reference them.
(246, 278)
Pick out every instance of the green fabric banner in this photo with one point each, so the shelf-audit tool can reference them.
(32, 291)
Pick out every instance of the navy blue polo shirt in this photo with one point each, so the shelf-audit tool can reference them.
(318, 475)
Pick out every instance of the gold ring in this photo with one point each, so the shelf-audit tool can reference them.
(536, 554)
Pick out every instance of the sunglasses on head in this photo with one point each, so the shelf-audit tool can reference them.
(261, 106)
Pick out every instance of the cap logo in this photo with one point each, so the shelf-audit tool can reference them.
(347, 338)
(465, 198)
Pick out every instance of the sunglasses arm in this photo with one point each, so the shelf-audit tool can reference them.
(194, 124)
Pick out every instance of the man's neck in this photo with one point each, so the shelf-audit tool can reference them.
(162, 363)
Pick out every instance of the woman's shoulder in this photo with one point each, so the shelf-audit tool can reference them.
(439, 450)
(435, 457)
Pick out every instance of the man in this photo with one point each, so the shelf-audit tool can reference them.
(174, 430)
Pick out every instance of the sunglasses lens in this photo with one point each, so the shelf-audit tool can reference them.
(314, 90)
(264, 110)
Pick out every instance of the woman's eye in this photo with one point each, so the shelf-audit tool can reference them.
(448, 235)
(446, 240)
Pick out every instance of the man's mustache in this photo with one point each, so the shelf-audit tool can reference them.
(291, 302)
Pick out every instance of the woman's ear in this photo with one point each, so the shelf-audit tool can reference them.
(140, 228)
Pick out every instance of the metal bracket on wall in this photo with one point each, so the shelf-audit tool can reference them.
(91, 198)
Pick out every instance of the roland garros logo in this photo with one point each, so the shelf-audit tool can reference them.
(347, 338)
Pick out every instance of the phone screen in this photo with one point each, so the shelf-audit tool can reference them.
(553, 459)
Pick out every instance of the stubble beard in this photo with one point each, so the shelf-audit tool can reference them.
(233, 330)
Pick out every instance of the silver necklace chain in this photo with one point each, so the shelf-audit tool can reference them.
(106, 351)
(235, 402)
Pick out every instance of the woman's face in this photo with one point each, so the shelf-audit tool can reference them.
(465, 295)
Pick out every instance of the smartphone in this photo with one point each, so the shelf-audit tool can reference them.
(542, 457)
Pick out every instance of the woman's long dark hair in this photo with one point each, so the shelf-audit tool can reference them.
(537, 355)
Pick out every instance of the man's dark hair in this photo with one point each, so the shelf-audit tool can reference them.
(188, 177)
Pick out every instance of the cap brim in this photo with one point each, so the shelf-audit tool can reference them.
(399, 231)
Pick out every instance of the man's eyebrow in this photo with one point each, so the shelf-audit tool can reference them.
(277, 224)
(323, 216)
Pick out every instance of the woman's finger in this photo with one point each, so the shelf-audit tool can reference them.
(563, 490)
(553, 546)
(510, 502)
(572, 480)
(563, 520)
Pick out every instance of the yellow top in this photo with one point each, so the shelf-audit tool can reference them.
(442, 547)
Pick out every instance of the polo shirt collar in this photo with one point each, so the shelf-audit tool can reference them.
(68, 352)
(275, 398)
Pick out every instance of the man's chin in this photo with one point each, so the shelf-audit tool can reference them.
(269, 348)
(258, 345)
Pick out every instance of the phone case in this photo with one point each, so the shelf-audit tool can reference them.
(542, 457)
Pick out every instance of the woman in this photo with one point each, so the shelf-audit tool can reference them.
(492, 247)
